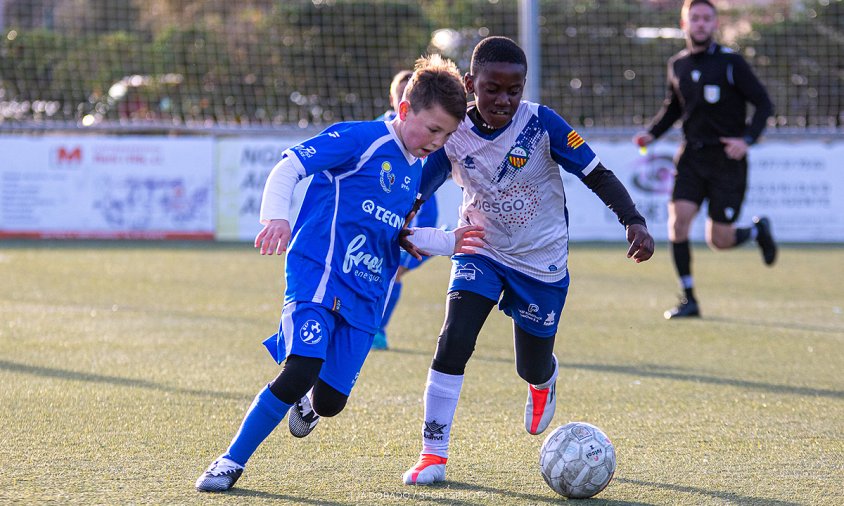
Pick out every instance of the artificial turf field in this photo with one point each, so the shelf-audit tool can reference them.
(127, 367)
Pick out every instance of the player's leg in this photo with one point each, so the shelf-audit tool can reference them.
(344, 359)
(535, 307)
(473, 290)
(690, 189)
(728, 188)
(305, 331)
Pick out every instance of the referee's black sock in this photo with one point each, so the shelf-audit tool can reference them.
(682, 255)
(742, 235)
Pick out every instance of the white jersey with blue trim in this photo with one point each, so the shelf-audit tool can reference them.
(512, 186)
(345, 252)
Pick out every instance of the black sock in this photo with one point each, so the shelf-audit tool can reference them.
(689, 293)
(742, 235)
(682, 254)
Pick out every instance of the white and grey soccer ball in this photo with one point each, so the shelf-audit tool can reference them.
(577, 460)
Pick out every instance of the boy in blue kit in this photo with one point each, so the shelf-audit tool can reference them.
(506, 156)
(426, 217)
(344, 251)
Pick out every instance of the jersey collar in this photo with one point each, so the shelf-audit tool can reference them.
(410, 158)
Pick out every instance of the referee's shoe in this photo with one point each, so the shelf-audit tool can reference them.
(765, 239)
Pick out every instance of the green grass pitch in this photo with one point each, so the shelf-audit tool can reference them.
(127, 367)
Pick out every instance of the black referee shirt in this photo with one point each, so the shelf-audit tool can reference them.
(709, 91)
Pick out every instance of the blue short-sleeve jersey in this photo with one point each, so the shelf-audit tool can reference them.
(345, 252)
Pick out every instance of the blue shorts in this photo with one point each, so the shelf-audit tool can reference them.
(312, 330)
(534, 305)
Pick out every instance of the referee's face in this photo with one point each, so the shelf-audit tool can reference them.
(498, 89)
(700, 24)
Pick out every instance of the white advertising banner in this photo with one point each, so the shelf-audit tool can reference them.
(106, 187)
(242, 169)
(799, 186)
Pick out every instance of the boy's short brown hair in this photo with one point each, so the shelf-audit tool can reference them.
(436, 81)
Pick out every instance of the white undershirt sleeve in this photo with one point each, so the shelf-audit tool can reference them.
(434, 241)
(278, 191)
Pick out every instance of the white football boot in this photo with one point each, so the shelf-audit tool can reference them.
(541, 404)
(301, 419)
(429, 469)
(220, 476)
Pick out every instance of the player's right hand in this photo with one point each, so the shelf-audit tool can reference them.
(642, 139)
(274, 237)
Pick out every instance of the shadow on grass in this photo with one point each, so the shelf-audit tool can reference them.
(291, 499)
(64, 374)
(655, 371)
(726, 497)
(776, 325)
(700, 378)
(460, 493)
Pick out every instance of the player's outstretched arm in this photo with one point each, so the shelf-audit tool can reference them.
(641, 243)
(274, 237)
(434, 241)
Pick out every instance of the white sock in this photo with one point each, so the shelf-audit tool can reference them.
(553, 377)
(442, 391)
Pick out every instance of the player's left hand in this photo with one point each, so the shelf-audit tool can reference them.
(468, 238)
(641, 243)
(404, 242)
(734, 147)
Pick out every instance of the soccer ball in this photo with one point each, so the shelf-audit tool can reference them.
(577, 460)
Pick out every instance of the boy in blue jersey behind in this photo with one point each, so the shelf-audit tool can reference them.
(344, 251)
(506, 156)
(425, 217)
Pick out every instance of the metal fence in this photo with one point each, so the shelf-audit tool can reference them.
(266, 65)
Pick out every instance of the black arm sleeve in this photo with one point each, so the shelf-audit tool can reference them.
(609, 189)
(671, 110)
(755, 93)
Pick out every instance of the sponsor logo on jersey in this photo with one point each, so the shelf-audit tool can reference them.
(549, 319)
(469, 163)
(467, 271)
(434, 431)
(355, 258)
(574, 140)
(506, 206)
(530, 314)
(517, 157)
(310, 332)
(383, 215)
(305, 151)
(406, 185)
(711, 93)
(387, 177)
(695, 75)
(335, 135)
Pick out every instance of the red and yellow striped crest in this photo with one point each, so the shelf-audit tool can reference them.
(517, 157)
(574, 140)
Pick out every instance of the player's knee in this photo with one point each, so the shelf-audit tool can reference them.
(296, 378)
(328, 401)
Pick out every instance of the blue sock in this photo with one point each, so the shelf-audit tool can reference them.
(265, 413)
(391, 305)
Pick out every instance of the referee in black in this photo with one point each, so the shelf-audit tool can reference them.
(709, 87)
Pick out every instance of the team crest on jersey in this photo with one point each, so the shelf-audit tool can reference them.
(712, 93)
(574, 140)
(387, 177)
(517, 157)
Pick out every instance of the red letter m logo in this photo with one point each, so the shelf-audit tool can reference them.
(65, 156)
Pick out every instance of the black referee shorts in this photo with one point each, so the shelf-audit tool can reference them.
(706, 173)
